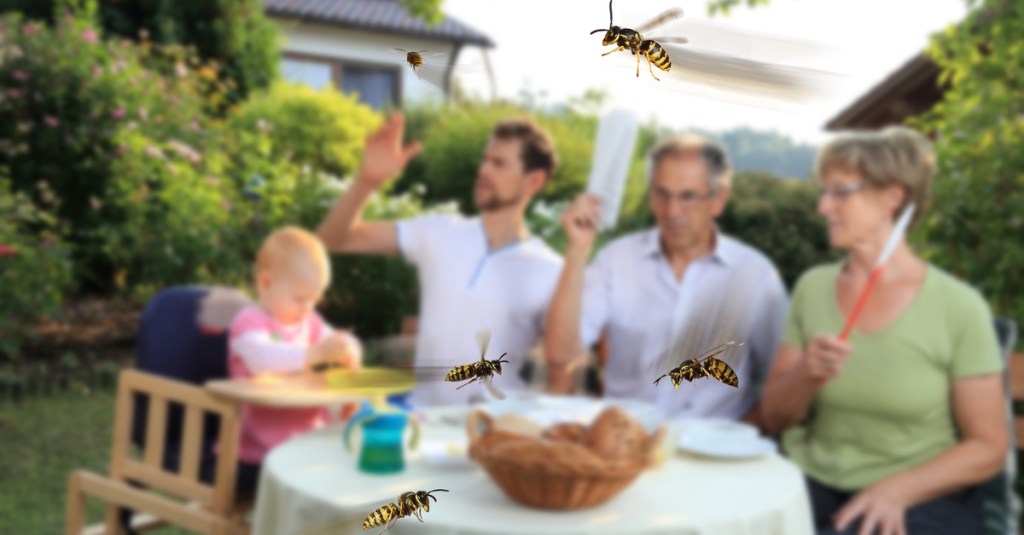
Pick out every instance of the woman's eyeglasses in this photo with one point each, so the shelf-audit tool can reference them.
(841, 193)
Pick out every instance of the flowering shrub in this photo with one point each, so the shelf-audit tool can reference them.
(67, 97)
(35, 265)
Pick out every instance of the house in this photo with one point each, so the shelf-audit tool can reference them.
(910, 90)
(351, 44)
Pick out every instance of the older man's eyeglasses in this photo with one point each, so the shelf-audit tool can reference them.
(686, 198)
(840, 193)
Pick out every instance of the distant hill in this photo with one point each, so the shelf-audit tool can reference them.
(756, 150)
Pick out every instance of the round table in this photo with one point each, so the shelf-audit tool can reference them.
(310, 486)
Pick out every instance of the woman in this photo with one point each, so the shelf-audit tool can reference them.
(895, 427)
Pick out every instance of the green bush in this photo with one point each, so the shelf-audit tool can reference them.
(68, 97)
(35, 265)
(323, 129)
(779, 218)
(234, 33)
(454, 139)
(167, 220)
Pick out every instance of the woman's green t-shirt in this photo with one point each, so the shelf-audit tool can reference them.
(891, 407)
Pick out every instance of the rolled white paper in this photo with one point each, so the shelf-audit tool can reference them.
(613, 152)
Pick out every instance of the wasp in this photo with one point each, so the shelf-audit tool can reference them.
(704, 366)
(482, 369)
(632, 40)
(409, 503)
(414, 59)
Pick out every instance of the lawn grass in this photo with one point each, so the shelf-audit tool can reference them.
(43, 439)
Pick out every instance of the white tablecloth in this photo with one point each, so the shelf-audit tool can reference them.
(310, 486)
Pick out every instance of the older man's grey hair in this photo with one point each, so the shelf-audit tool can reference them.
(719, 168)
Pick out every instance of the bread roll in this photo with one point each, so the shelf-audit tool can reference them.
(615, 435)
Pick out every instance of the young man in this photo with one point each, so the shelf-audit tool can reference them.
(484, 272)
(646, 288)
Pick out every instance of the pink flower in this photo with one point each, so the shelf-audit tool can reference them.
(95, 203)
(226, 205)
(7, 250)
(184, 150)
(19, 75)
(143, 114)
(117, 114)
(120, 150)
(29, 29)
(97, 71)
(154, 152)
(50, 121)
(180, 69)
(90, 35)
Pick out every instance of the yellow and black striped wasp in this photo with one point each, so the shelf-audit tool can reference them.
(707, 365)
(409, 503)
(416, 59)
(482, 369)
(632, 40)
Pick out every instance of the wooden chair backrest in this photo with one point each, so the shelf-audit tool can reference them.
(148, 468)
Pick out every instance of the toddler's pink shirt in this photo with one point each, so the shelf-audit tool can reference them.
(259, 344)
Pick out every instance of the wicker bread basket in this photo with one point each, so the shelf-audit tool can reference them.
(559, 471)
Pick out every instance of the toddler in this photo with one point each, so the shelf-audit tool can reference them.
(282, 333)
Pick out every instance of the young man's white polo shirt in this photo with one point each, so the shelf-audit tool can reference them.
(464, 287)
(631, 293)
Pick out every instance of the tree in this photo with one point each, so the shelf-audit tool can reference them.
(975, 225)
(427, 10)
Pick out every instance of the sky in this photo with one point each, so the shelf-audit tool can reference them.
(545, 45)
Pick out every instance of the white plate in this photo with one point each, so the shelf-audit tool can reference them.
(445, 454)
(719, 447)
(720, 427)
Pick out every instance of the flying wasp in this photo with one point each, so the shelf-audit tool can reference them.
(704, 366)
(416, 59)
(409, 503)
(482, 369)
(632, 40)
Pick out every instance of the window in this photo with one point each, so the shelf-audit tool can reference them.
(376, 85)
(315, 73)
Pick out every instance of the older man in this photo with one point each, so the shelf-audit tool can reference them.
(645, 289)
(485, 272)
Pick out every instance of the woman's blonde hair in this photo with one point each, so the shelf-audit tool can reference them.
(896, 155)
(290, 248)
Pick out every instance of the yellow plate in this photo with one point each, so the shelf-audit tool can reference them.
(370, 380)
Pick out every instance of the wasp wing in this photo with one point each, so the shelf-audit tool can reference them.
(483, 339)
(681, 40)
(665, 16)
(493, 389)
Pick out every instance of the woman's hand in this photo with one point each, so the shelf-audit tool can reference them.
(825, 357)
(882, 507)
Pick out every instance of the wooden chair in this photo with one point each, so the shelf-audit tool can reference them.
(212, 509)
(1001, 503)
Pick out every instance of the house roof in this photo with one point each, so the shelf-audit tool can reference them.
(380, 15)
(908, 90)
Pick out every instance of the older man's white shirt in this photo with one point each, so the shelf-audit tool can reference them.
(466, 288)
(631, 293)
